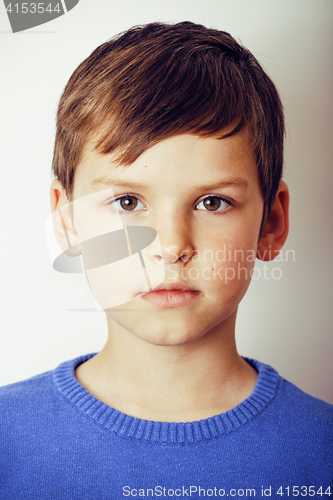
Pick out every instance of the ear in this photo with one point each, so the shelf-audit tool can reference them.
(277, 227)
(63, 223)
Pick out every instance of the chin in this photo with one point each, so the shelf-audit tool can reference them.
(171, 338)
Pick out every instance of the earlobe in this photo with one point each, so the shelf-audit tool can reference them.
(63, 224)
(277, 227)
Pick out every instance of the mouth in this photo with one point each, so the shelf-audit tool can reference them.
(171, 295)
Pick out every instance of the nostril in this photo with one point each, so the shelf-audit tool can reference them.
(186, 255)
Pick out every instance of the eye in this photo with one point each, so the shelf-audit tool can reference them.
(127, 203)
(214, 204)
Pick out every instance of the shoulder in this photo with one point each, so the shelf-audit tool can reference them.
(304, 406)
(302, 420)
(290, 401)
(294, 429)
(24, 387)
(37, 397)
(26, 394)
(32, 412)
(292, 415)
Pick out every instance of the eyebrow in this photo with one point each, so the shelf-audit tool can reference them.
(107, 181)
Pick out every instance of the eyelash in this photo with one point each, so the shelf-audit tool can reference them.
(128, 195)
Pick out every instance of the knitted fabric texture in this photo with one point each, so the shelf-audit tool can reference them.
(60, 442)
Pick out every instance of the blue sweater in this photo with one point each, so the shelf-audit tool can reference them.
(60, 442)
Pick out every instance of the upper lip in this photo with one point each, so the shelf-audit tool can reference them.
(173, 286)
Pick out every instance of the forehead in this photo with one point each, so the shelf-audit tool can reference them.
(183, 160)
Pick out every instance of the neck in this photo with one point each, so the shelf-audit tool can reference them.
(175, 383)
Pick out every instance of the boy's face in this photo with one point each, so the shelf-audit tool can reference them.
(202, 195)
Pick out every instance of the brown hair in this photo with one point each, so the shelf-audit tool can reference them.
(158, 80)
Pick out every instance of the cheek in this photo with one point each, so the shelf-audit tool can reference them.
(228, 261)
(92, 218)
(232, 268)
(117, 283)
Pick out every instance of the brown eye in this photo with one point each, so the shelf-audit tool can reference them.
(214, 204)
(128, 203)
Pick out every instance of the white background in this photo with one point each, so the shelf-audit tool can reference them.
(286, 323)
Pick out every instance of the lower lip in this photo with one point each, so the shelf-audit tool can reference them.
(171, 298)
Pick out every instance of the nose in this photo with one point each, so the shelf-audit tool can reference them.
(175, 237)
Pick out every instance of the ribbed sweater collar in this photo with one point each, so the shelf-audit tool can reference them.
(166, 432)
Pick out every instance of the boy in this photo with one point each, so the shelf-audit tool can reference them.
(175, 128)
